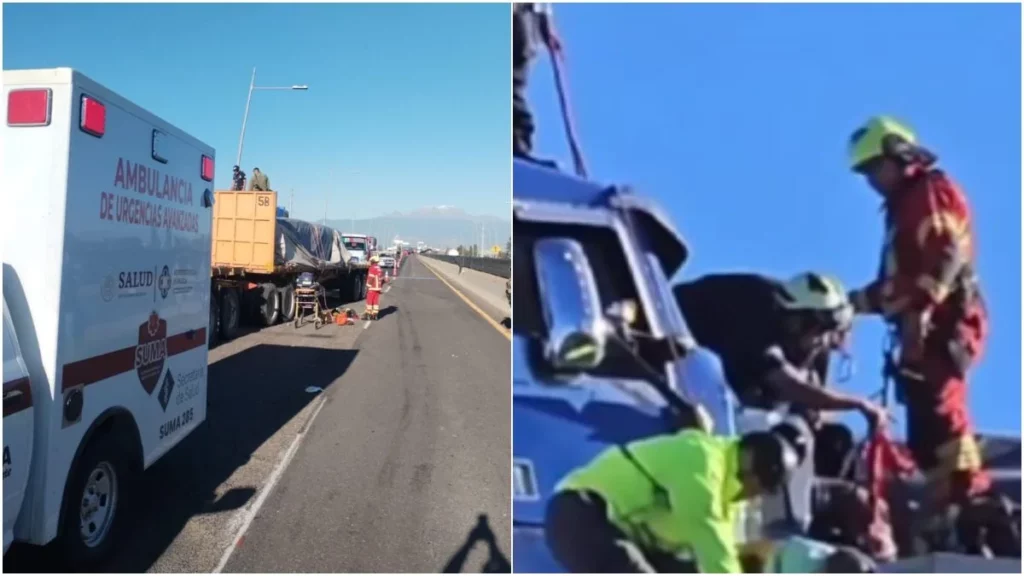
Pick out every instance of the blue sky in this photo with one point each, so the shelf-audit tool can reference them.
(408, 104)
(736, 118)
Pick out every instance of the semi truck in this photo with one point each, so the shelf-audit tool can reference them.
(106, 234)
(591, 274)
(257, 256)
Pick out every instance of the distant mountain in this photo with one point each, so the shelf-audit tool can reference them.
(437, 226)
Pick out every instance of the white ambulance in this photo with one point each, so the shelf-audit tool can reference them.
(106, 294)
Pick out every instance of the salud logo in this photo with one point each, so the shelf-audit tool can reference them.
(151, 351)
(109, 289)
(164, 282)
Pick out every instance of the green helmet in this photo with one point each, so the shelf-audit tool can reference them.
(867, 142)
(819, 295)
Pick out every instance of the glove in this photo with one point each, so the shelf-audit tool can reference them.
(859, 301)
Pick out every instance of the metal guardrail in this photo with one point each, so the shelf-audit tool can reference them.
(501, 267)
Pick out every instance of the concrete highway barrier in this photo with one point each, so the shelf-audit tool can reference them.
(487, 288)
(501, 267)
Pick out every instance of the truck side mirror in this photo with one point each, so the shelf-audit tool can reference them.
(577, 330)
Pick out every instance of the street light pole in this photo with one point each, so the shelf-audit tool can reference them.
(248, 100)
(245, 117)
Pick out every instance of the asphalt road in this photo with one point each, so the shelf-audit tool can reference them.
(390, 468)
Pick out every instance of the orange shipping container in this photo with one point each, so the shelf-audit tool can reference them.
(244, 230)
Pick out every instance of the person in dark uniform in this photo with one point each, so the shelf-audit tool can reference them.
(523, 22)
(237, 179)
(773, 339)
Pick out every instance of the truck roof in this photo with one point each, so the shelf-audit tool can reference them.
(71, 76)
(536, 184)
(531, 181)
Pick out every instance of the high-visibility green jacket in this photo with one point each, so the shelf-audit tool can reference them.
(694, 509)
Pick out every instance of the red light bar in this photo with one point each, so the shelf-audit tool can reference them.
(28, 107)
(206, 168)
(94, 116)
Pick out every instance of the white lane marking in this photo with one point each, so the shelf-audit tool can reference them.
(246, 515)
(388, 289)
(366, 325)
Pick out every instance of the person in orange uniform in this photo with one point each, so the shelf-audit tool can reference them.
(928, 292)
(374, 283)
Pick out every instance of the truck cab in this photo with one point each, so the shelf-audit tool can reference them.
(358, 246)
(591, 275)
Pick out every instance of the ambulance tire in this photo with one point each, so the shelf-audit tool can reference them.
(108, 456)
(269, 306)
(230, 314)
(287, 293)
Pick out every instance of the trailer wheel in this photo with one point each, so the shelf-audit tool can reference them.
(98, 501)
(360, 288)
(269, 305)
(212, 331)
(230, 314)
(287, 293)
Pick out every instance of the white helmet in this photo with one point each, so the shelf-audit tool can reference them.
(816, 294)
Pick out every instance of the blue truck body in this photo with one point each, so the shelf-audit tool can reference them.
(562, 422)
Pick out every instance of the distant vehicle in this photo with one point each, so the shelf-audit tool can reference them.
(387, 261)
(104, 314)
(258, 256)
(358, 246)
(453, 252)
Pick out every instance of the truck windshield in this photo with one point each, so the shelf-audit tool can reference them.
(611, 272)
(355, 243)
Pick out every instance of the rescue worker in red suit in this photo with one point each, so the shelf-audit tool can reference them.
(374, 283)
(928, 291)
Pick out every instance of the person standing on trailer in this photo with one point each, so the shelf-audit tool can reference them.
(237, 179)
(260, 182)
(374, 282)
(928, 291)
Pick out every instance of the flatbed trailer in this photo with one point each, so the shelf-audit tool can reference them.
(252, 277)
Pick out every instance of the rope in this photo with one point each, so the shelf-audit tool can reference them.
(557, 55)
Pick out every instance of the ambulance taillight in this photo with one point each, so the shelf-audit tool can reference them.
(29, 107)
(206, 168)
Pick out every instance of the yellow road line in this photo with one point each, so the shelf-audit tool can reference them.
(504, 332)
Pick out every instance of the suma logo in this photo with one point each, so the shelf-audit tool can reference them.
(151, 351)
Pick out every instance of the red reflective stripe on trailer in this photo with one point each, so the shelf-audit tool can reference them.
(20, 396)
(99, 368)
(29, 107)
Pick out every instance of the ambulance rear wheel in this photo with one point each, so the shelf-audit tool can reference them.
(98, 501)
(269, 305)
(287, 293)
(230, 314)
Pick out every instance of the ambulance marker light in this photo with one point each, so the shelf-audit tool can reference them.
(93, 118)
